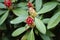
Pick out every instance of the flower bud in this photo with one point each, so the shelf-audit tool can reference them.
(29, 4)
(32, 12)
(29, 20)
(7, 3)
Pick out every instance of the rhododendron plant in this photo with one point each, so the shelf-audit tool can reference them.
(29, 19)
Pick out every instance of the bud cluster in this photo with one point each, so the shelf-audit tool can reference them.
(7, 3)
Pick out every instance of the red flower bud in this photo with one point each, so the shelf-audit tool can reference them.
(29, 20)
(29, 4)
(7, 3)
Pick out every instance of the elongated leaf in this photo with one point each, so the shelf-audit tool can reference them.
(36, 32)
(31, 36)
(40, 17)
(25, 36)
(54, 20)
(58, 0)
(1, 0)
(45, 37)
(31, 0)
(19, 19)
(14, 0)
(22, 4)
(48, 7)
(40, 26)
(50, 34)
(19, 11)
(2, 5)
(3, 18)
(38, 4)
(58, 3)
(19, 31)
(46, 20)
(1, 12)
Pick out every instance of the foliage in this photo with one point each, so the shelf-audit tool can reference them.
(13, 19)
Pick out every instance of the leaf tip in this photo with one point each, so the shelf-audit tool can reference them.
(11, 21)
(13, 34)
(48, 27)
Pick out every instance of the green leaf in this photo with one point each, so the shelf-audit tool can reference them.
(38, 4)
(36, 32)
(46, 20)
(54, 20)
(19, 19)
(31, 0)
(58, 3)
(25, 36)
(3, 18)
(14, 0)
(19, 11)
(48, 7)
(31, 36)
(2, 12)
(19, 31)
(24, 8)
(45, 37)
(22, 4)
(40, 17)
(1, 0)
(58, 0)
(40, 26)
(2, 5)
(49, 33)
